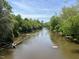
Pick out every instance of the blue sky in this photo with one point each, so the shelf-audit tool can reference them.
(38, 9)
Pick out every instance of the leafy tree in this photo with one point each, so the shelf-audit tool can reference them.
(11, 26)
(55, 23)
(67, 22)
(71, 26)
(68, 12)
(6, 26)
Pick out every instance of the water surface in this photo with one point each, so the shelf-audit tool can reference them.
(39, 46)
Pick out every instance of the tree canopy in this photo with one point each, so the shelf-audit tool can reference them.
(67, 22)
(13, 25)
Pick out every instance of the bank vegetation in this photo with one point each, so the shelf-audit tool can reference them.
(12, 26)
(66, 23)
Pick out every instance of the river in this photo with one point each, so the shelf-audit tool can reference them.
(39, 46)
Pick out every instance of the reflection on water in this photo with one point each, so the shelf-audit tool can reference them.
(39, 46)
(69, 50)
(6, 54)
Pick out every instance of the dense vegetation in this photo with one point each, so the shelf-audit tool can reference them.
(12, 26)
(67, 22)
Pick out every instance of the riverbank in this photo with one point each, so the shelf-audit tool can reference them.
(67, 38)
(23, 37)
(19, 39)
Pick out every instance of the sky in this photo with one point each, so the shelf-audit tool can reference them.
(39, 9)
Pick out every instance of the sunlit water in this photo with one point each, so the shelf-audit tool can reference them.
(40, 46)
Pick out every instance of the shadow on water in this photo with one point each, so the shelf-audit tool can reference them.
(4, 53)
(75, 51)
(69, 49)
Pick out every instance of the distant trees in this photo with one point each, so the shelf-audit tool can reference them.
(25, 25)
(54, 22)
(31, 25)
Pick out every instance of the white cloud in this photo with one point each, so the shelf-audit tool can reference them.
(33, 15)
(21, 5)
(43, 17)
(26, 6)
(26, 10)
(36, 16)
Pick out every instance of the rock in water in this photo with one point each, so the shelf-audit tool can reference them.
(54, 46)
(14, 45)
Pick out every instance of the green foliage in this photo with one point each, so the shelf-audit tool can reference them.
(6, 25)
(12, 26)
(67, 22)
(6, 5)
(68, 12)
(71, 26)
(30, 25)
(24, 25)
(47, 24)
(54, 22)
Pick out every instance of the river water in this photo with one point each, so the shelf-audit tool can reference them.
(39, 46)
